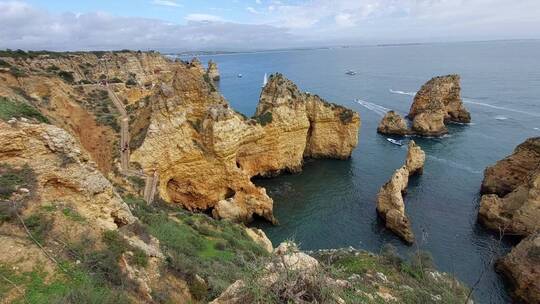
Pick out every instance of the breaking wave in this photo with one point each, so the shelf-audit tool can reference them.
(500, 117)
(379, 110)
(402, 92)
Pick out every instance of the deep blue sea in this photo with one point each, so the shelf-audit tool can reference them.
(332, 203)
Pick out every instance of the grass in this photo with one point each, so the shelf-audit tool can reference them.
(198, 245)
(72, 215)
(346, 116)
(11, 108)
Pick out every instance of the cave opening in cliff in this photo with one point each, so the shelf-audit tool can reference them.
(230, 193)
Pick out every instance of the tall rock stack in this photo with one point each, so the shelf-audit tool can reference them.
(213, 72)
(390, 203)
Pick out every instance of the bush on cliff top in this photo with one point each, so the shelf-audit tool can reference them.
(11, 108)
(195, 244)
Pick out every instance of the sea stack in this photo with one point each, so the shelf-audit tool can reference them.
(390, 203)
(213, 72)
(437, 103)
(393, 124)
(510, 205)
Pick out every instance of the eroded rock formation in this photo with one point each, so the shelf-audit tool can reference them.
(390, 202)
(522, 267)
(213, 71)
(510, 205)
(437, 103)
(206, 153)
(393, 124)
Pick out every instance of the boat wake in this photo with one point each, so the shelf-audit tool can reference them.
(403, 93)
(470, 101)
(454, 164)
(379, 110)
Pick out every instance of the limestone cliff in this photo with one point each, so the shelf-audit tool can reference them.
(393, 124)
(522, 267)
(206, 153)
(61, 203)
(390, 202)
(510, 205)
(511, 188)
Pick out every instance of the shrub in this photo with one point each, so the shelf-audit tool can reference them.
(390, 253)
(131, 82)
(264, 119)
(346, 116)
(11, 179)
(15, 71)
(39, 225)
(66, 76)
(4, 64)
(11, 108)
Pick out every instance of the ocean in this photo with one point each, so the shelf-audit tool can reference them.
(331, 203)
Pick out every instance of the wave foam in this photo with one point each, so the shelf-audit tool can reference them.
(402, 92)
(454, 164)
(469, 101)
(379, 110)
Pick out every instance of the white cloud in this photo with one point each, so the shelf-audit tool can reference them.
(166, 3)
(203, 18)
(252, 10)
(276, 25)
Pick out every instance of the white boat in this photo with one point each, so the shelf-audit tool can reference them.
(395, 142)
(350, 72)
(265, 80)
(240, 75)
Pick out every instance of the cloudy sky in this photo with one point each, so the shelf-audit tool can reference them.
(258, 24)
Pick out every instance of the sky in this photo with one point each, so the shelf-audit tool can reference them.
(235, 25)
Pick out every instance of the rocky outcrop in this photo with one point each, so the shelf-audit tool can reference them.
(437, 102)
(522, 267)
(441, 94)
(510, 205)
(393, 124)
(511, 188)
(416, 157)
(391, 207)
(259, 237)
(390, 203)
(514, 170)
(213, 72)
(206, 153)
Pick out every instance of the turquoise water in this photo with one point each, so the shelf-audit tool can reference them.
(332, 203)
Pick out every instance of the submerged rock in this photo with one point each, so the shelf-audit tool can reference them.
(522, 267)
(393, 124)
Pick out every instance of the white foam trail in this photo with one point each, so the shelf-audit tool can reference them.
(500, 117)
(379, 110)
(402, 92)
(454, 164)
(537, 129)
(466, 100)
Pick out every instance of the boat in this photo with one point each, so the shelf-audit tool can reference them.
(240, 75)
(395, 142)
(350, 72)
(265, 80)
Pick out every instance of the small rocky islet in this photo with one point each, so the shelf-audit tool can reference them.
(75, 225)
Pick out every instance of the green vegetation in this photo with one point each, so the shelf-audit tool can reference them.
(15, 71)
(218, 251)
(264, 119)
(39, 225)
(4, 64)
(72, 214)
(99, 103)
(67, 76)
(11, 108)
(137, 182)
(131, 82)
(346, 116)
(12, 178)
(77, 287)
